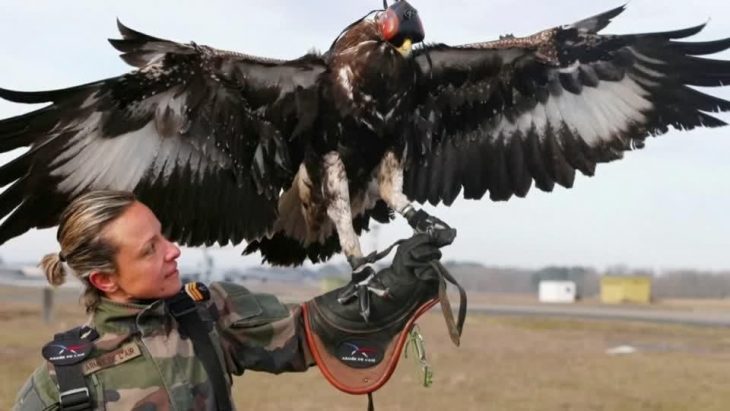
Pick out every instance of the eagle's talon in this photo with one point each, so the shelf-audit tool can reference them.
(363, 296)
(347, 293)
(362, 284)
(361, 277)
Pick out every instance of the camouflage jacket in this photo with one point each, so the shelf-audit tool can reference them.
(140, 362)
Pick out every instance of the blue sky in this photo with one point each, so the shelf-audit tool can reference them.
(660, 208)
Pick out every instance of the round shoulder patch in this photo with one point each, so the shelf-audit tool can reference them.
(67, 352)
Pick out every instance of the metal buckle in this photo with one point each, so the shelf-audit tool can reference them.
(68, 393)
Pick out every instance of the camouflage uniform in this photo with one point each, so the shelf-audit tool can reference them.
(140, 361)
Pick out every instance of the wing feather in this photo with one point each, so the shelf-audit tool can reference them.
(539, 108)
(202, 142)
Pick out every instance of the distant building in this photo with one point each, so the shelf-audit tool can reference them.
(550, 291)
(625, 289)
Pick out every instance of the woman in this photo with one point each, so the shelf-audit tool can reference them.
(148, 345)
(114, 245)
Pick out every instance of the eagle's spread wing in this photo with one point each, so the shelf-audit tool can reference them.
(206, 138)
(495, 116)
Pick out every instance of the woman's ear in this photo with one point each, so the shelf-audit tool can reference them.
(104, 282)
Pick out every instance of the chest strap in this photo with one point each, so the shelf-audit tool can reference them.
(66, 352)
(184, 308)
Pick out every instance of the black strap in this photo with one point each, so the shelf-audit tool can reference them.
(74, 395)
(376, 256)
(185, 311)
(455, 327)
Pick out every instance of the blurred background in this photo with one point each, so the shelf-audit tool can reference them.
(613, 295)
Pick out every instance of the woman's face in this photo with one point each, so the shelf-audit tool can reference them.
(146, 260)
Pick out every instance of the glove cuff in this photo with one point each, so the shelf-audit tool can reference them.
(357, 362)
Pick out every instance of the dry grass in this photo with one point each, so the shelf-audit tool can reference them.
(504, 363)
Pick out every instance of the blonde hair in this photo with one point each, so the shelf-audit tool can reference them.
(83, 247)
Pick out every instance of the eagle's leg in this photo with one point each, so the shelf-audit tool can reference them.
(390, 184)
(337, 193)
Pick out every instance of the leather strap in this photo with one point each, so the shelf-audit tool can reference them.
(455, 327)
(185, 311)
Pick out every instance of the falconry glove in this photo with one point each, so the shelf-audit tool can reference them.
(365, 282)
(358, 356)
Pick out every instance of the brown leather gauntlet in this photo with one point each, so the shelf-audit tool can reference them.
(358, 357)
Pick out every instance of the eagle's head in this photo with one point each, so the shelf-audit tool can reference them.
(400, 26)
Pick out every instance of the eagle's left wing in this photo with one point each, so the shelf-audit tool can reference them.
(495, 116)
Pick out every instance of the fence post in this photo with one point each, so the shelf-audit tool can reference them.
(47, 304)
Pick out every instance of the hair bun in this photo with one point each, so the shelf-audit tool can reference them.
(53, 268)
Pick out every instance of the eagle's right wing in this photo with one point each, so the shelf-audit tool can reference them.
(206, 138)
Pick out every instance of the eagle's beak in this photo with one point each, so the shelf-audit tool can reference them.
(406, 47)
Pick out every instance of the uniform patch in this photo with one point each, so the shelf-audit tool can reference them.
(359, 353)
(66, 352)
(123, 354)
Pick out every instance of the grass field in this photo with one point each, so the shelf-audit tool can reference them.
(505, 363)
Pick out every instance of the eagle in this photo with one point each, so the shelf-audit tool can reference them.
(297, 157)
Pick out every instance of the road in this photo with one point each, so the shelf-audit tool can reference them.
(706, 317)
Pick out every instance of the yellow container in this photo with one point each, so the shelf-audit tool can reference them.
(617, 290)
